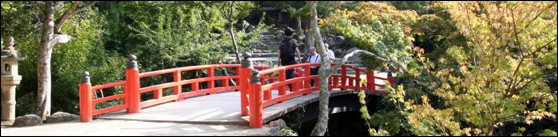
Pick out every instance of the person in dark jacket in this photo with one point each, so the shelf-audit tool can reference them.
(289, 60)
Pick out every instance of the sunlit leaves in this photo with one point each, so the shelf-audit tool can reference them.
(493, 66)
(376, 27)
(502, 65)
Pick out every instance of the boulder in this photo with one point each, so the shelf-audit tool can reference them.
(28, 120)
(61, 117)
(276, 127)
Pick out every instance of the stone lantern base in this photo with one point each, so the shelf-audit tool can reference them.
(9, 83)
(7, 123)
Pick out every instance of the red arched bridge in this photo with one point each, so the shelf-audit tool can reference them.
(254, 94)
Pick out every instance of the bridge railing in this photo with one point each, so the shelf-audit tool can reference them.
(195, 83)
(87, 99)
(133, 90)
(254, 94)
(261, 85)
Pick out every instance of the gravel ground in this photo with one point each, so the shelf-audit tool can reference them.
(101, 127)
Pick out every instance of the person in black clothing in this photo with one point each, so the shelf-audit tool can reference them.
(287, 43)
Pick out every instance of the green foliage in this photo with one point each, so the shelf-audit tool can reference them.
(547, 132)
(248, 40)
(172, 34)
(418, 6)
(490, 65)
(375, 27)
(496, 76)
(298, 8)
(83, 53)
(288, 132)
(293, 118)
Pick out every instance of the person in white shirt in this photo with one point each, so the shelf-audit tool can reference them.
(314, 58)
(330, 54)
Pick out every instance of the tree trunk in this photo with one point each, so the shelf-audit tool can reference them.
(51, 35)
(323, 73)
(43, 103)
(309, 41)
(231, 30)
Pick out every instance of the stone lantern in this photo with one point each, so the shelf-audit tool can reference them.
(10, 79)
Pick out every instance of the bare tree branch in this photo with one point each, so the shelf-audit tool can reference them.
(74, 9)
(61, 20)
(37, 7)
(86, 6)
(231, 10)
(346, 57)
(57, 4)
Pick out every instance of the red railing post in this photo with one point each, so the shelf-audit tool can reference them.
(211, 83)
(133, 85)
(335, 81)
(282, 78)
(390, 78)
(225, 82)
(246, 67)
(158, 93)
(307, 74)
(371, 81)
(256, 120)
(178, 88)
(351, 82)
(195, 86)
(85, 99)
(296, 85)
(343, 77)
(283, 89)
(357, 82)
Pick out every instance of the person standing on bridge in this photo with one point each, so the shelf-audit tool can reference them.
(287, 51)
(314, 58)
(330, 54)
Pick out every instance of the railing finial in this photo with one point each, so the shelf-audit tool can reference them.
(132, 64)
(246, 63)
(255, 78)
(85, 77)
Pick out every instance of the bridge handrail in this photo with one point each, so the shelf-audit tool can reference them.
(89, 103)
(300, 85)
(88, 110)
(187, 68)
(260, 92)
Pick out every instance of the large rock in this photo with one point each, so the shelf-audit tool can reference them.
(28, 120)
(276, 127)
(61, 117)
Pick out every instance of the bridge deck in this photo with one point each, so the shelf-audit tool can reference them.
(220, 108)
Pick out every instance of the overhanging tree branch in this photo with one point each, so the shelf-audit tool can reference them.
(355, 52)
(57, 4)
(37, 7)
(86, 6)
(74, 9)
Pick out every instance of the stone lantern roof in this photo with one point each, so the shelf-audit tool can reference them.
(9, 53)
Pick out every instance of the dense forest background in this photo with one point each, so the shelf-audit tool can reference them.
(466, 68)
